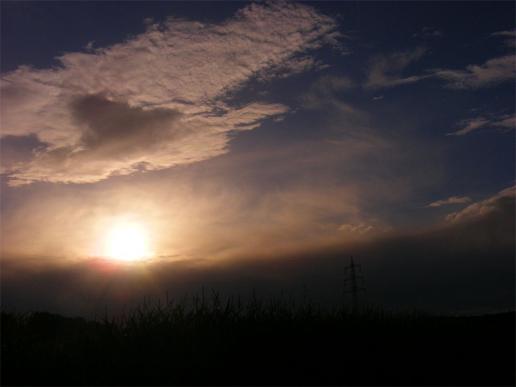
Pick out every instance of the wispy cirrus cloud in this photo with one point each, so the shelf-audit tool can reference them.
(504, 122)
(324, 94)
(509, 36)
(450, 200)
(156, 100)
(387, 70)
(508, 33)
(490, 73)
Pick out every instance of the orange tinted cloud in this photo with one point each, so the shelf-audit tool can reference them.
(162, 94)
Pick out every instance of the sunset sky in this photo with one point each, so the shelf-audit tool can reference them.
(258, 145)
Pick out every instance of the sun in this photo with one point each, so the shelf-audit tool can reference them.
(127, 242)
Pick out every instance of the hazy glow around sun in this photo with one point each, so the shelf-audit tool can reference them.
(127, 241)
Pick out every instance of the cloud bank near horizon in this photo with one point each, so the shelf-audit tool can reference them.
(402, 269)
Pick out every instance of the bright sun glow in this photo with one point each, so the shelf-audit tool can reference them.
(127, 242)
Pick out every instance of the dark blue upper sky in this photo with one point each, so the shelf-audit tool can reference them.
(36, 32)
(455, 35)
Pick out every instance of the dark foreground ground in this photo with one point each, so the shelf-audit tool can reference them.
(257, 344)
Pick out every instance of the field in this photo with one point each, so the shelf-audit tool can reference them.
(227, 342)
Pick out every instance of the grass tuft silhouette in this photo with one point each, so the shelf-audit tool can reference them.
(225, 341)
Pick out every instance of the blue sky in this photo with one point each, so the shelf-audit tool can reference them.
(229, 126)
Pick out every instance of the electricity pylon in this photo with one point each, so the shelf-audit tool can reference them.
(353, 276)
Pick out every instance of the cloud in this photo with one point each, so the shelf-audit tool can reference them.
(504, 122)
(450, 200)
(295, 65)
(509, 35)
(428, 32)
(491, 73)
(324, 91)
(360, 229)
(117, 139)
(469, 126)
(502, 202)
(285, 197)
(387, 70)
(329, 84)
(444, 268)
(158, 99)
(17, 149)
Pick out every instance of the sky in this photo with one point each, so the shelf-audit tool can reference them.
(258, 145)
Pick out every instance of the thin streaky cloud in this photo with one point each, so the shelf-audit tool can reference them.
(509, 35)
(502, 122)
(450, 200)
(491, 73)
(387, 70)
(428, 32)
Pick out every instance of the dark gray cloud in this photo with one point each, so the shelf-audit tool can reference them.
(17, 149)
(117, 127)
